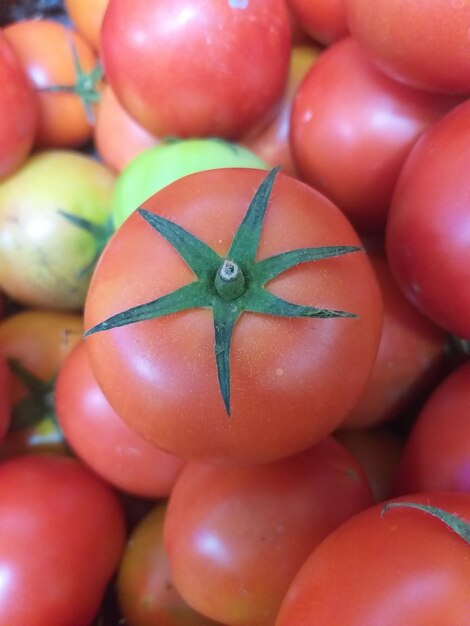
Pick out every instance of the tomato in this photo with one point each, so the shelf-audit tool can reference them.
(352, 128)
(271, 142)
(117, 137)
(62, 534)
(324, 20)
(145, 590)
(281, 380)
(379, 451)
(424, 44)
(235, 537)
(428, 238)
(387, 567)
(87, 17)
(19, 111)
(102, 440)
(156, 167)
(437, 451)
(53, 215)
(63, 69)
(197, 67)
(409, 362)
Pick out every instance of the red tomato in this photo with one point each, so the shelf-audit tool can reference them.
(197, 67)
(46, 50)
(271, 143)
(236, 537)
(145, 590)
(402, 566)
(352, 128)
(437, 451)
(117, 137)
(62, 534)
(102, 440)
(19, 111)
(292, 380)
(422, 43)
(409, 361)
(428, 234)
(324, 20)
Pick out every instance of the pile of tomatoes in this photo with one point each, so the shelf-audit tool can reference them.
(234, 313)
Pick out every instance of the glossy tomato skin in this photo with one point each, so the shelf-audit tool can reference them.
(45, 48)
(402, 39)
(399, 567)
(436, 456)
(184, 69)
(427, 237)
(287, 376)
(62, 534)
(19, 111)
(324, 20)
(102, 440)
(236, 537)
(352, 128)
(145, 589)
(410, 359)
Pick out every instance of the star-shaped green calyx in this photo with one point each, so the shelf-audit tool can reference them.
(229, 285)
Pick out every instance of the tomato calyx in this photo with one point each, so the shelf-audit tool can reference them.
(85, 86)
(455, 523)
(229, 286)
(37, 404)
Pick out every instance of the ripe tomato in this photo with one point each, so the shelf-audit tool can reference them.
(422, 43)
(53, 216)
(117, 137)
(409, 361)
(428, 234)
(102, 440)
(19, 111)
(56, 57)
(145, 590)
(197, 67)
(324, 20)
(401, 566)
(352, 128)
(236, 537)
(287, 376)
(436, 456)
(62, 534)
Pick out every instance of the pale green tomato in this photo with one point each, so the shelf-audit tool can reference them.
(53, 217)
(162, 164)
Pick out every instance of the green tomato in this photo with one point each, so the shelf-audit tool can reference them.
(162, 164)
(53, 216)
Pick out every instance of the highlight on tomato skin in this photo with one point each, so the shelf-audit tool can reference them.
(160, 374)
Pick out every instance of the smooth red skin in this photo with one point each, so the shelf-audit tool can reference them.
(436, 456)
(117, 137)
(324, 20)
(352, 128)
(44, 48)
(423, 43)
(102, 440)
(197, 67)
(145, 590)
(61, 537)
(378, 450)
(236, 537)
(271, 143)
(409, 361)
(428, 234)
(399, 567)
(19, 111)
(287, 376)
